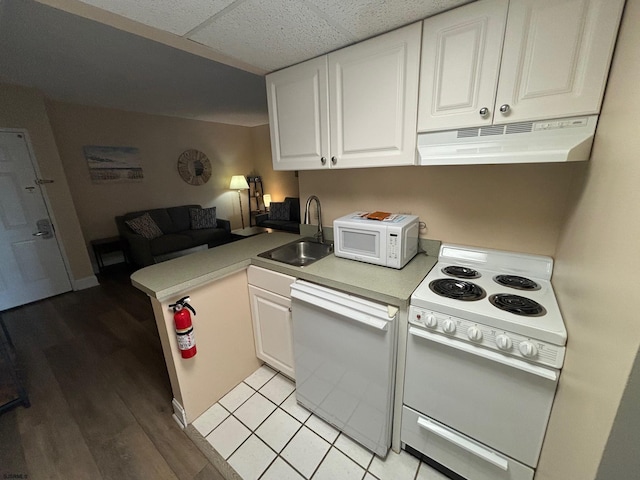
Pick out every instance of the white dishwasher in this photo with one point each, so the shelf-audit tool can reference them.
(344, 356)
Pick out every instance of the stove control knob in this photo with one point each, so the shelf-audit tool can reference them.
(431, 321)
(528, 349)
(474, 334)
(449, 326)
(504, 342)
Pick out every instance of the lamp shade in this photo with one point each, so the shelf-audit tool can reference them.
(266, 198)
(238, 182)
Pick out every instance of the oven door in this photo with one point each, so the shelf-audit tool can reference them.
(500, 401)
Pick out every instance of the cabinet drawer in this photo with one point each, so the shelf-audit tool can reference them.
(269, 280)
(457, 452)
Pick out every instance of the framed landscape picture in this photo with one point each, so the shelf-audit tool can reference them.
(113, 164)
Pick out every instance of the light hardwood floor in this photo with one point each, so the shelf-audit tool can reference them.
(99, 391)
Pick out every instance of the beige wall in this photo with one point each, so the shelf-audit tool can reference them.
(278, 184)
(222, 360)
(595, 279)
(25, 109)
(509, 207)
(161, 140)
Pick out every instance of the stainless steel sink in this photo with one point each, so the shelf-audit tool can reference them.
(300, 253)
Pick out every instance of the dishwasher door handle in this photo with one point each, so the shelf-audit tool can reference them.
(471, 447)
(342, 310)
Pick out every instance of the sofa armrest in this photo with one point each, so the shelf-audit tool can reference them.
(139, 249)
(222, 223)
(261, 218)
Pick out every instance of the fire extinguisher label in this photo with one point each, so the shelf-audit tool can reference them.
(186, 339)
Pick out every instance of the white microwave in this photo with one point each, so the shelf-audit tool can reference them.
(391, 242)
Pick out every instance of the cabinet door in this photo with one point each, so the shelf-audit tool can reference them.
(556, 57)
(460, 63)
(298, 116)
(272, 329)
(373, 92)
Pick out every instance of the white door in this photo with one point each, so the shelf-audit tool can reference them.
(272, 329)
(373, 94)
(31, 264)
(298, 116)
(556, 58)
(461, 52)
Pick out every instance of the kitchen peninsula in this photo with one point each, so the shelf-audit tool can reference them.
(216, 281)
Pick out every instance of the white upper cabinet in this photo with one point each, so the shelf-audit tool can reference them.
(299, 115)
(373, 100)
(460, 65)
(550, 59)
(356, 107)
(556, 58)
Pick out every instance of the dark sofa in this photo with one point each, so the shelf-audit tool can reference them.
(177, 234)
(290, 224)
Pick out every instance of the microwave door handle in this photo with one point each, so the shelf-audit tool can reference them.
(488, 354)
(471, 447)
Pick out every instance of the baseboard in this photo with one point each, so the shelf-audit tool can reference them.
(86, 282)
(179, 413)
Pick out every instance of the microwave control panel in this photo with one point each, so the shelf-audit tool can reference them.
(393, 248)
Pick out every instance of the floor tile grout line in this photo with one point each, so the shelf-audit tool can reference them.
(302, 424)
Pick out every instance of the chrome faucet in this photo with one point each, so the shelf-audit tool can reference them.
(307, 218)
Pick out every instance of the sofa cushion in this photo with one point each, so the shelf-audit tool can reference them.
(207, 236)
(145, 225)
(203, 218)
(294, 208)
(180, 217)
(170, 242)
(279, 211)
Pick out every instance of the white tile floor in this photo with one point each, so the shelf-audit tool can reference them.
(264, 434)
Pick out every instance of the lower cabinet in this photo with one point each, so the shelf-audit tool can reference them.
(271, 314)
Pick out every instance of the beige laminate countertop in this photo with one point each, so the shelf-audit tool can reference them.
(386, 285)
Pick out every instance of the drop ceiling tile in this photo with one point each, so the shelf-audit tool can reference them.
(175, 16)
(271, 34)
(366, 18)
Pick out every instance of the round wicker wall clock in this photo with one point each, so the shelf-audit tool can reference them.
(194, 167)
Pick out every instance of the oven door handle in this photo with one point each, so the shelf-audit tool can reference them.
(471, 447)
(488, 354)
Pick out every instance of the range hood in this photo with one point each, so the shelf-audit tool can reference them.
(557, 140)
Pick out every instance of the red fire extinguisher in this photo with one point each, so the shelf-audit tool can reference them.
(184, 327)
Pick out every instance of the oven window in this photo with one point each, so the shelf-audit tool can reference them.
(361, 242)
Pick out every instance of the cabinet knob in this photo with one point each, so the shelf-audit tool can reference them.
(323, 160)
(334, 160)
(505, 108)
(484, 112)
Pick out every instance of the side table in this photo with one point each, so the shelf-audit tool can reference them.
(241, 233)
(102, 246)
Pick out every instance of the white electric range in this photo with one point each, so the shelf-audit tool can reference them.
(485, 347)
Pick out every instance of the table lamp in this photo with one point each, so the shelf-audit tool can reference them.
(266, 198)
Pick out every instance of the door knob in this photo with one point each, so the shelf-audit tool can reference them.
(45, 229)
